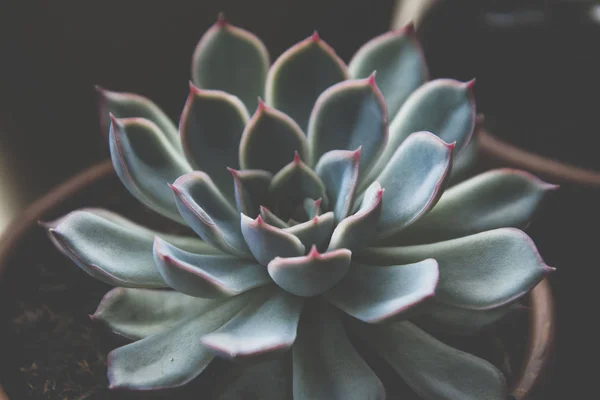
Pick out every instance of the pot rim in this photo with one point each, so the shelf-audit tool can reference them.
(541, 321)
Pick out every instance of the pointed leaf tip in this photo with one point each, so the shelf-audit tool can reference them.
(232, 171)
(315, 37)
(100, 90)
(318, 203)
(371, 80)
(221, 21)
(470, 84)
(408, 29)
(261, 104)
(356, 154)
(193, 89)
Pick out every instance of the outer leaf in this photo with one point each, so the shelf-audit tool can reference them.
(316, 231)
(211, 127)
(173, 357)
(338, 169)
(478, 272)
(398, 59)
(270, 140)
(264, 326)
(358, 229)
(346, 116)
(299, 76)
(312, 274)
(188, 243)
(130, 105)
(267, 242)
(442, 106)
(326, 365)
(146, 163)
(374, 294)
(267, 380)
(233, 60)
(208, 276)
(413, 180)
(113, 253)
(290, 186)
(209, 213)
(494, 199)
(432, 369)
(251, 190)
(138, 313)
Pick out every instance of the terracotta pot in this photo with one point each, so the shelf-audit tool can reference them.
(542, 321)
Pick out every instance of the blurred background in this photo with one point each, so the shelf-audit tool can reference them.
(536, 64)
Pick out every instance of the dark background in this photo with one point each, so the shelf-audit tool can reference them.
(536, 64)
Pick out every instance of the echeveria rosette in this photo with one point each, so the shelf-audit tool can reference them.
(319, 209)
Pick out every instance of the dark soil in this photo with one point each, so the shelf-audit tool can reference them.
(54, 351)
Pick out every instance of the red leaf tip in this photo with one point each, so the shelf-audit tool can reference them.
(297, 159)
(221, 21)
(470, 84)
(356, 154)
(380, 193)
(409, 29)
(194, 89)
(114, 120)
(261, 105)
(315, 37)
(314, 253)
(259, 220)
(232, 171)
(371, 79)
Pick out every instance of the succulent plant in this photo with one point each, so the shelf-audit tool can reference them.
(320, 225)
